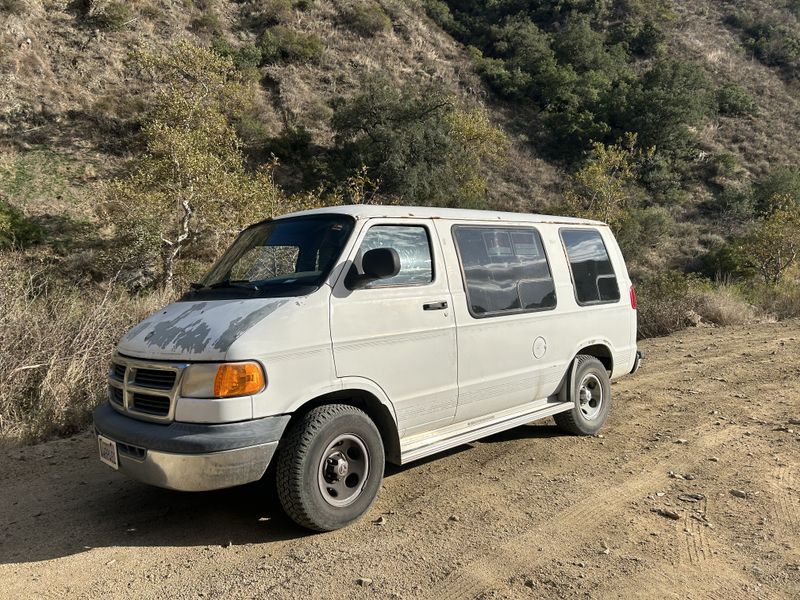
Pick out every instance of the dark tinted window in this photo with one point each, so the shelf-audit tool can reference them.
(592, 272)
(505, 270)
(413, 246)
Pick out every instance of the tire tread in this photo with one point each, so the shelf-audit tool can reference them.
(296, 443)
(566, 420)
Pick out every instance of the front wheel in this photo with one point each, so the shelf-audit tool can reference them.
(591, 396)
(330, 467)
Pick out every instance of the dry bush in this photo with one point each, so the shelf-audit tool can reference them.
(55, 343)
(667, 302)
(781, 301)
(724, 305)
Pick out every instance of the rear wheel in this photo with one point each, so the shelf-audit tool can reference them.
(330, 467)
(591, 395)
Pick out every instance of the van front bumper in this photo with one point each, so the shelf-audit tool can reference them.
(191, 457)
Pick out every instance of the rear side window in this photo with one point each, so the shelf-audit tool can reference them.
(592, 273)
(412, 244)
(505, 270)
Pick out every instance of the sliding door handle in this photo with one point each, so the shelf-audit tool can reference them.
(434, 306)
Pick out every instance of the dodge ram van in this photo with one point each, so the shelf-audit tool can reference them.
(333, 340)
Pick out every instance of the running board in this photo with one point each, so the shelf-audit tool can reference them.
(456, 435)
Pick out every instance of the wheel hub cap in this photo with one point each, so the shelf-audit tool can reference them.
(343, 470)
(336, 467)
(590, 396)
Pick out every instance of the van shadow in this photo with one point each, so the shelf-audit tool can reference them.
(58, 500)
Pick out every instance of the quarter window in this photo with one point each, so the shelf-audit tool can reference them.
(505, 270)
(592, 272)
(412, 244)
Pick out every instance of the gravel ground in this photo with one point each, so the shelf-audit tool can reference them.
(691, 491)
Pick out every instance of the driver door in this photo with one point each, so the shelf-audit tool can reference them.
(399, 332)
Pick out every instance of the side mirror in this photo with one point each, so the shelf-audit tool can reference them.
(378, 263)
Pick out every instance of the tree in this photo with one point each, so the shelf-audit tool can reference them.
(599, 190)
(417, 142)
(189, 191)
(772, 246)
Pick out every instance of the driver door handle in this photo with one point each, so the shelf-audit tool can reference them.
(434, 306)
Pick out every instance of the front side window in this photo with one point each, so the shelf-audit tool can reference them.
(284, 257)
(412, 244)
(505, 270)
(592, 272)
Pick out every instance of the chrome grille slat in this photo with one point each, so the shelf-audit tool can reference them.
(146, 390)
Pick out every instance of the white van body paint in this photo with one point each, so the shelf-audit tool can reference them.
(444, 376)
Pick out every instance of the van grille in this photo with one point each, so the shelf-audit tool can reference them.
(118, 372)
(115, 394)
(151, 405)
(156, 379)
(144, 389)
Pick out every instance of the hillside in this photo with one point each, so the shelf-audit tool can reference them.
(676, 122)
(67, 99)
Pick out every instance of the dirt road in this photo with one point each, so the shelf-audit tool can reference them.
(530, 513)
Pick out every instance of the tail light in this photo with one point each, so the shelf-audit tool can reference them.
(633, 298)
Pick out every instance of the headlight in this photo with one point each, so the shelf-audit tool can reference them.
(222, 380)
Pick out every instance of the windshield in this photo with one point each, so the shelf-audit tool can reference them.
(285, 257)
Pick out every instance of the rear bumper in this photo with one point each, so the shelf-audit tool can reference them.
(191, 456)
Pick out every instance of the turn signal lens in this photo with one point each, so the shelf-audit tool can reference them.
(238, 379)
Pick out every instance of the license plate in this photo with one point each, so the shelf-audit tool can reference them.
(108, 451)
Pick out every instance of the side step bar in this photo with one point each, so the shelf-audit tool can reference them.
(432, 443)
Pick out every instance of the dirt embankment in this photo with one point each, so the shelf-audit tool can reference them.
(692, 491)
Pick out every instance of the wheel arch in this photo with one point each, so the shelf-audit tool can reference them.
(375, 409)
(601, 351)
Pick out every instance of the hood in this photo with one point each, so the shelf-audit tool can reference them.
(196, 330)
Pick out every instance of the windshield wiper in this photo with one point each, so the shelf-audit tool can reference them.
(234, 283)
(225, 283)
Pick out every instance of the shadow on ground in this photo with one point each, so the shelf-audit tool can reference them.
(56, 500)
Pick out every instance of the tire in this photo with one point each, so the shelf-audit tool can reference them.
(330, 467)
(591, 396)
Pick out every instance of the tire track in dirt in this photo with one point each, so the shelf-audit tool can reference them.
(698, 546)
(785, 504)
(582, 520)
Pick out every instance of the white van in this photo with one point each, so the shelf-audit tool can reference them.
(333, 340)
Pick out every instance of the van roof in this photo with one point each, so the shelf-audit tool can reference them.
(372, 211)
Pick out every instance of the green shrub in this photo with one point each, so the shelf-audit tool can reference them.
(112, 16)
(783, 181)
(648, 41)
(272, 12)
(733, 101)
(16, 231)
(280, 43)
(366, 18)
(671, 99)
(416, 142)
(292, 145)
(775, 43)
(642, 229)
(246, 57)
(208, 23)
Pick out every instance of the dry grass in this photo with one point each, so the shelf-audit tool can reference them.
(55, 342)
(724, 305)
(778, 302)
